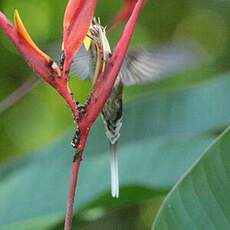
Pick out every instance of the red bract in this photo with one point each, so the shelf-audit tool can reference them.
(41, 63)
(78, 16)
(125, 12)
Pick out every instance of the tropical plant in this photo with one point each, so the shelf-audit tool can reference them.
(175, 141)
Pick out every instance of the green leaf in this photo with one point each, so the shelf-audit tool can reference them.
(157, 146)
(135, 216)
(200, 200)
(35, 189)
(138, 200)
(200, 108)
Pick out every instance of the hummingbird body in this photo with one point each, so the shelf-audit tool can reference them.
(112, 111)
(140, 67)
(99, 53)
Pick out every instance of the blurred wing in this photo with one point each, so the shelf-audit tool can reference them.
(152, 64)
(82, 65)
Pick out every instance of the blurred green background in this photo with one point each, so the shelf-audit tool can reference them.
(42, 117)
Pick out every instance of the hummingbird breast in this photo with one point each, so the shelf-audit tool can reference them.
(112, 113)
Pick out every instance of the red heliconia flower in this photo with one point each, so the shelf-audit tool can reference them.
(78, 17)
(77, 20)
(40, 62)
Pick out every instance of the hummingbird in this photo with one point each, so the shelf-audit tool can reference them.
(97, 52)
(140, 66)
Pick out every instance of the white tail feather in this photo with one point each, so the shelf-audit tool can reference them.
(114, 172)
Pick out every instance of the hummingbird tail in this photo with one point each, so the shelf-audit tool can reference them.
(114, 171)
(112, 116)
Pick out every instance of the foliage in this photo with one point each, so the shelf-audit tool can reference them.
(201, 198)
(167, 127)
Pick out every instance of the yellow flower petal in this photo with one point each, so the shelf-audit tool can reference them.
(25, 35)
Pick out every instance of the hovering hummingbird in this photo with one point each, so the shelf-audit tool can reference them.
(139, 66)
(97, 53)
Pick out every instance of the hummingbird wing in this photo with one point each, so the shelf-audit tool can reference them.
(141, 66)
(144, 65)
(83, 64)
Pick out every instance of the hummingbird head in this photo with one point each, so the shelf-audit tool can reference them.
(98, 36)
(98, 46)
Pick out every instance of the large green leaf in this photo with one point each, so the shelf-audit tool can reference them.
(157, 139)
(201, 199)
(200, 108)
(34, 190)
